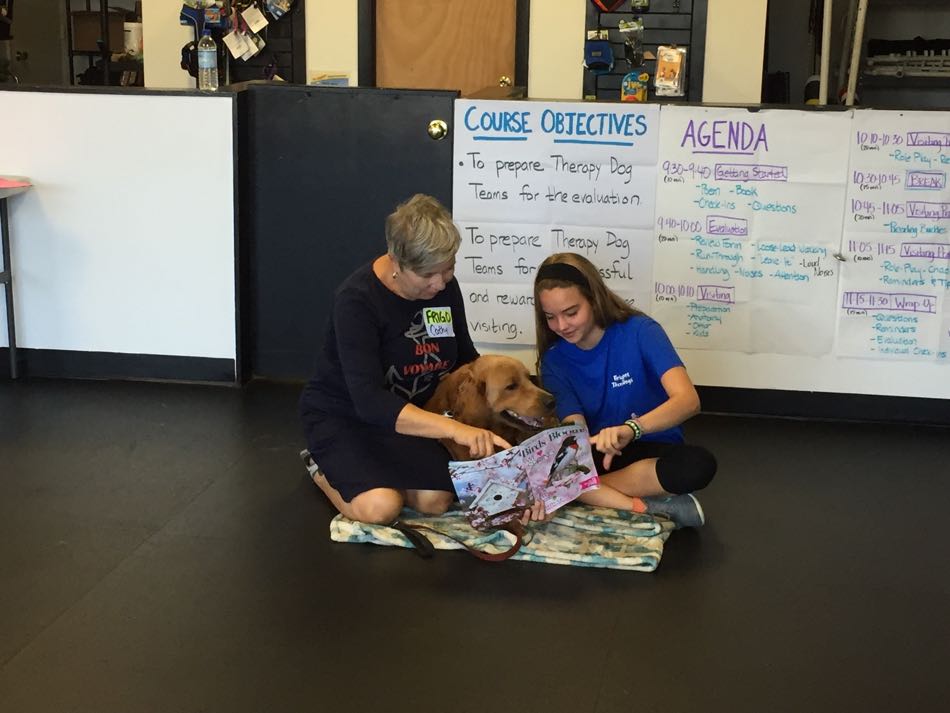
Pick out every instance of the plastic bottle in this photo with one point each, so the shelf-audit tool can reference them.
(207, 63)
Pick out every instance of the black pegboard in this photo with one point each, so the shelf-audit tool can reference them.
(285, 50)
(679, 22)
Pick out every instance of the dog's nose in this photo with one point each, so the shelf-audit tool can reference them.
(548, 400)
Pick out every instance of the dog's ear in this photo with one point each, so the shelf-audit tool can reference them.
(470, 405)
(446, 393)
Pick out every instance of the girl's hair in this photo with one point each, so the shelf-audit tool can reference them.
(573, 270)
(420, 233)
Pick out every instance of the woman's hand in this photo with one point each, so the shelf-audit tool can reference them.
(479, 441)
(611, 440)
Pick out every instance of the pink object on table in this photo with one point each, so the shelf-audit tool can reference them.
(13, 183)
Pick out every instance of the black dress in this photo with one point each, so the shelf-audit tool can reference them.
(379, 352)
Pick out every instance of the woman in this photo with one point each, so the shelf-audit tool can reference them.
(613, 369)
(397, 325)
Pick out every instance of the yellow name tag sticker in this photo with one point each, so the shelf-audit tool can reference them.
(438, 321)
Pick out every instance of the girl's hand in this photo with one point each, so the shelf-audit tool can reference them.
(536, 512)
(479, 441)
(611, 440)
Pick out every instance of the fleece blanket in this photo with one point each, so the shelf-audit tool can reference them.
(578, 535)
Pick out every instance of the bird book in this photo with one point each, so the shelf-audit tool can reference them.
(554, 466)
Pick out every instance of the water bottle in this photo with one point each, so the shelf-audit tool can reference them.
(207, 63)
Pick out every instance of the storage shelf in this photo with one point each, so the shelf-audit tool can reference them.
(106, 14)
(886, 82)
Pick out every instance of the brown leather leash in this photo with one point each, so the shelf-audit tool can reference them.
(425, 549)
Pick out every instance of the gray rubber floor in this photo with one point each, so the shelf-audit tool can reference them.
(161, 549)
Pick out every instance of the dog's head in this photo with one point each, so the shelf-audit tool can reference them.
(496, 392)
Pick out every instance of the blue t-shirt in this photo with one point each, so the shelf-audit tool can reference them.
(616, 380)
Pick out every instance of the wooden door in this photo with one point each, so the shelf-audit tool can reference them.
(445, 44)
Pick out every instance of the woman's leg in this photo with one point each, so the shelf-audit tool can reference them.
(379, 506)
(429, 502)
(373, 473)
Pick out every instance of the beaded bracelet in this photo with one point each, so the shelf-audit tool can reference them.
(635, 427)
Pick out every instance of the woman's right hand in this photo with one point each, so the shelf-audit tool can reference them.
(480, 441)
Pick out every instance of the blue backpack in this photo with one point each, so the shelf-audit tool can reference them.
(598, 56)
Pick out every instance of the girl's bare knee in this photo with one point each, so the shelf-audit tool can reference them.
(380, 506)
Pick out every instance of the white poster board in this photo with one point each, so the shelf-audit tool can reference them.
(893, 296)
(148, 269)
(748, 221)
(749, 290)
(534, 178)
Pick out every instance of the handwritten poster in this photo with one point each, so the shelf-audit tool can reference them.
(748, 220)
(534, 178)
(893, 301)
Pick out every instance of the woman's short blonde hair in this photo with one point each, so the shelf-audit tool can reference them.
(420, 233)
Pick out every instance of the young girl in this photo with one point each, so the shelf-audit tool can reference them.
(613, 369)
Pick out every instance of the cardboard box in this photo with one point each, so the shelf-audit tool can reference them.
(87, 29)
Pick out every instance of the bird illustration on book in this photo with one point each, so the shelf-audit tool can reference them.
(565, 462)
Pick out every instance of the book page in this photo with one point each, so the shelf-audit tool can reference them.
(555, 466)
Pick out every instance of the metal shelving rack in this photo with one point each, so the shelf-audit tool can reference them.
(104, 53)
(905, 70)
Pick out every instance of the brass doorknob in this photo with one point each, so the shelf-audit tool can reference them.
(438, 129)
(504, 81)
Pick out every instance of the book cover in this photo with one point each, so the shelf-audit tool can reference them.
(554, 466)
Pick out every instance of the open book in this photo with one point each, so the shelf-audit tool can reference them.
(554, 466)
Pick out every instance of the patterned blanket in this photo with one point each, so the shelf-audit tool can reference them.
(578, 535)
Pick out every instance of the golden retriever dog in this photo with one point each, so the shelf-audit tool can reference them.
(494, 392)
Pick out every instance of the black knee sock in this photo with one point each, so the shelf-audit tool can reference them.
(686, 469)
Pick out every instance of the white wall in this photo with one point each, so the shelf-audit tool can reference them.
(126, 242)
(556, 49)
(332, 37)
(162, 39)
(735, 44)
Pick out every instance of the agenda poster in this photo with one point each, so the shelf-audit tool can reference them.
(748, 226)
(893, 303)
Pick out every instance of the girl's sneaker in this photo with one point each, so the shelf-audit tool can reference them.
(683, 510)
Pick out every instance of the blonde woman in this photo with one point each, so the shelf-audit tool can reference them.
(397, 325)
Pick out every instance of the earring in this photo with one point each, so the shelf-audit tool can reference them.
(395, 274)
